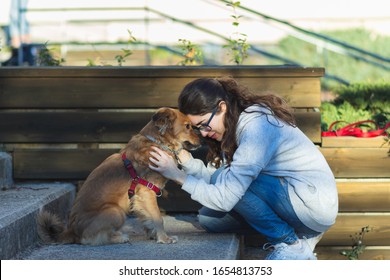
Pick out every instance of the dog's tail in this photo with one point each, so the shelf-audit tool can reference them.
(51, 229)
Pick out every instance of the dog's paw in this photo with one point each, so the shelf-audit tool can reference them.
(168, 240)
(174, 239)
(125, 238)
(119, 237)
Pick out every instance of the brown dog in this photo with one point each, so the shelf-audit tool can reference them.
(99, 212)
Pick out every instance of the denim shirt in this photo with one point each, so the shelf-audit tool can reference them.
(269, 146)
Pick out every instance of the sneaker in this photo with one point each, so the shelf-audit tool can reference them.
(314, 240)
(297, 251)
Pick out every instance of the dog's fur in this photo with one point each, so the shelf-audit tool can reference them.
(102, 203)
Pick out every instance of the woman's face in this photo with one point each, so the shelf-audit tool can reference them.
(216, 122)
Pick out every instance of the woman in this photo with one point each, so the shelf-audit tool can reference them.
(263, 174)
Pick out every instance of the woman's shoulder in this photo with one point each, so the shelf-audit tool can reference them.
(254, 113)
(257, 108)
(255, 119)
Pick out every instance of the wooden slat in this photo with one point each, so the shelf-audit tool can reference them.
(164, 71)
(358, 162)
(97, 126)
(310, 124)
(346, 225)
(299, 93)
(71, 126)
(349, 224)
(353, 142)
(364, 195)
(137, 87)
(52, 164)
(90, 92)
(60, 164)
(135, 92)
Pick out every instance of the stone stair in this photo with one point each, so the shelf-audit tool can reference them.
(20, 203)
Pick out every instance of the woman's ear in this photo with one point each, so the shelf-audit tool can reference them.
(222, 106)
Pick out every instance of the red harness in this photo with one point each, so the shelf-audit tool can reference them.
(137, 180)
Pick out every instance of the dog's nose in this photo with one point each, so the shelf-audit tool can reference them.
(191, 146)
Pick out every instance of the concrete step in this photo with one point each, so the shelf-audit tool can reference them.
(18, 209)
(19, 239)
(193, 244)
(6, 181)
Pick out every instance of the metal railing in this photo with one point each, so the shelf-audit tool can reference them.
(317, 39)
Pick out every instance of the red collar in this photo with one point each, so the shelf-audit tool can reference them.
(137, 180)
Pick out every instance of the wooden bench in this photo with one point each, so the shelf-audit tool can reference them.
(60, 123)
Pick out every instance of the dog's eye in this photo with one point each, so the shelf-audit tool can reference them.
(188, 126)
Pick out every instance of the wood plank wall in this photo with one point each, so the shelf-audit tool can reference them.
(60, 122)
(64, 106)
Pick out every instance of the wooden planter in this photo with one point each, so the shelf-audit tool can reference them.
(362, 169)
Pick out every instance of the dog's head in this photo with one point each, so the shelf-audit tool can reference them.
(175, 126)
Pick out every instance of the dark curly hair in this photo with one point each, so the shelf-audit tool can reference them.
(203, 95)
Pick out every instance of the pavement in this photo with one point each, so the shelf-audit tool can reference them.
(19, 238)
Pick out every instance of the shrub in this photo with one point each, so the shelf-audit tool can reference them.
(358, 102)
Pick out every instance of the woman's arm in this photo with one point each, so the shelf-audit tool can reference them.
(166, 166)
(257, 144)
(195, 167)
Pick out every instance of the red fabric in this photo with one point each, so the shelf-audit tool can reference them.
(353, 129)
(137, 180)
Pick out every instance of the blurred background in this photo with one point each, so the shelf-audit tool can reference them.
(351, 39)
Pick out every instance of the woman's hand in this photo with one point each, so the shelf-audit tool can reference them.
(184, 156)
(166, 166)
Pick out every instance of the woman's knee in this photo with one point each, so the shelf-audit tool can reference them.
(209, 224)
(221, 222)
(211, 220)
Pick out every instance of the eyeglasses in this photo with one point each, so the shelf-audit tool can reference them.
(204, 127)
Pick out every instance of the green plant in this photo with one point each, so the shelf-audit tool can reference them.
(46, 57)
(96, 62)
(91, 62)
(387, 143)
(344, 112)
(357, 244)
(192, 54)
(371, 97)
(237, 42)
(357, 102)
(120, 58)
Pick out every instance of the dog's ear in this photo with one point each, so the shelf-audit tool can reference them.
(164, 119)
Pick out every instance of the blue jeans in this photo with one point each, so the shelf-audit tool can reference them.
(265, 208)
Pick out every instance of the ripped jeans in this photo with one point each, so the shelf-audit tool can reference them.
(265, 208)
